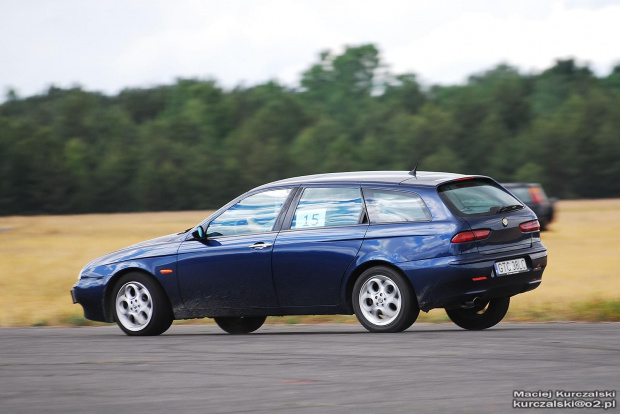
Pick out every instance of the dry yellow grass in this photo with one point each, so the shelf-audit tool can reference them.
(584, 259)
(41, 256)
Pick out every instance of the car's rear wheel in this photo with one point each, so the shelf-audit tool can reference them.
(383, 300)
(140, 306)
(238, 325)
(482, 316)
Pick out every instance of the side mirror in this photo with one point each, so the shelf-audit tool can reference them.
(199, 233)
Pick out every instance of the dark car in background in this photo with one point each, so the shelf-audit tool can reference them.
(535, 197)
(381, 245)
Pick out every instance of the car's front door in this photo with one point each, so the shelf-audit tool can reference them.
(322, 238)
(231, 268)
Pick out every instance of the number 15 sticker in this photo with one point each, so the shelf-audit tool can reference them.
(309, 218)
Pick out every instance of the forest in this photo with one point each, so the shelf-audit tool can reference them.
(196, 145)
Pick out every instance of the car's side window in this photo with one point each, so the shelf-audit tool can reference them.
(386, 206)
(326, 207)
(254, 214)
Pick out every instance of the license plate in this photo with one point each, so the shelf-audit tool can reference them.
(510, 267)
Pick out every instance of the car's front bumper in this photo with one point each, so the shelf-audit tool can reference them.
(89, 292)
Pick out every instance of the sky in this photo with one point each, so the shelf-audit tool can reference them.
(114, 44)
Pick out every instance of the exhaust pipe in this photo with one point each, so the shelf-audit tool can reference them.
(471, 303)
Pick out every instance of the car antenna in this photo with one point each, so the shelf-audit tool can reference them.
(415, 170)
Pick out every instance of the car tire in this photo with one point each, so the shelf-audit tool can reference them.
(140, 306)
(383, 301)
(239, 325)
(482, 316)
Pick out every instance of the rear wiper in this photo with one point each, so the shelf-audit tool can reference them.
(505, 209)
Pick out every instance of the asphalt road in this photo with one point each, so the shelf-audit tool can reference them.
(302, 369)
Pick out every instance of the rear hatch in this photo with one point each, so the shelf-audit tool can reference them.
(484, 204)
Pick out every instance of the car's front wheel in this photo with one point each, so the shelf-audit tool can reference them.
(140, 306)
(383, 300)
(240, 324)
(482, 316)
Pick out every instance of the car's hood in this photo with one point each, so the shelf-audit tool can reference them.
(160, 246)
(158, 240)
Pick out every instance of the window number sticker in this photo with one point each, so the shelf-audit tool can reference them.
(310, 218)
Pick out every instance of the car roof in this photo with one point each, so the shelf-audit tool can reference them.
(521, 184)
(422, 178)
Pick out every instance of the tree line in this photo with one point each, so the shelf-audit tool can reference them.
(195, 145)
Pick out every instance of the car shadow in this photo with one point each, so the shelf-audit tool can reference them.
(412, 331)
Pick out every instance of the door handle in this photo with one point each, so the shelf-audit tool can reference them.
(260, 245)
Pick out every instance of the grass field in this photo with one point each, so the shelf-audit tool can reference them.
(41, 256)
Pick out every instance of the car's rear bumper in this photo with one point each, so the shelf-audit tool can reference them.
(544, 212)
(459, 280)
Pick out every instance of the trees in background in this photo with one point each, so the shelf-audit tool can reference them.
(194, 145)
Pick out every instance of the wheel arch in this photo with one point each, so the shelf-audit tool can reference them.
(107, 304)
(357, 272)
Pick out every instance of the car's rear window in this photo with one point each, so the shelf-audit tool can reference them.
(477, 197)
(529, 193)
(523, 193)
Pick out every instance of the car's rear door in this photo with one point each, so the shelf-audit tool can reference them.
(321, 237)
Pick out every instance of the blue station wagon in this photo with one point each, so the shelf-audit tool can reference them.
(380, 245)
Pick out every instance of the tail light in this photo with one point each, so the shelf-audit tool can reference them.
(472, 235)
(536, 195)
(533, 225)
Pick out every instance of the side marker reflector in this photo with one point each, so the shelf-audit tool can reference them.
(165, 271)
